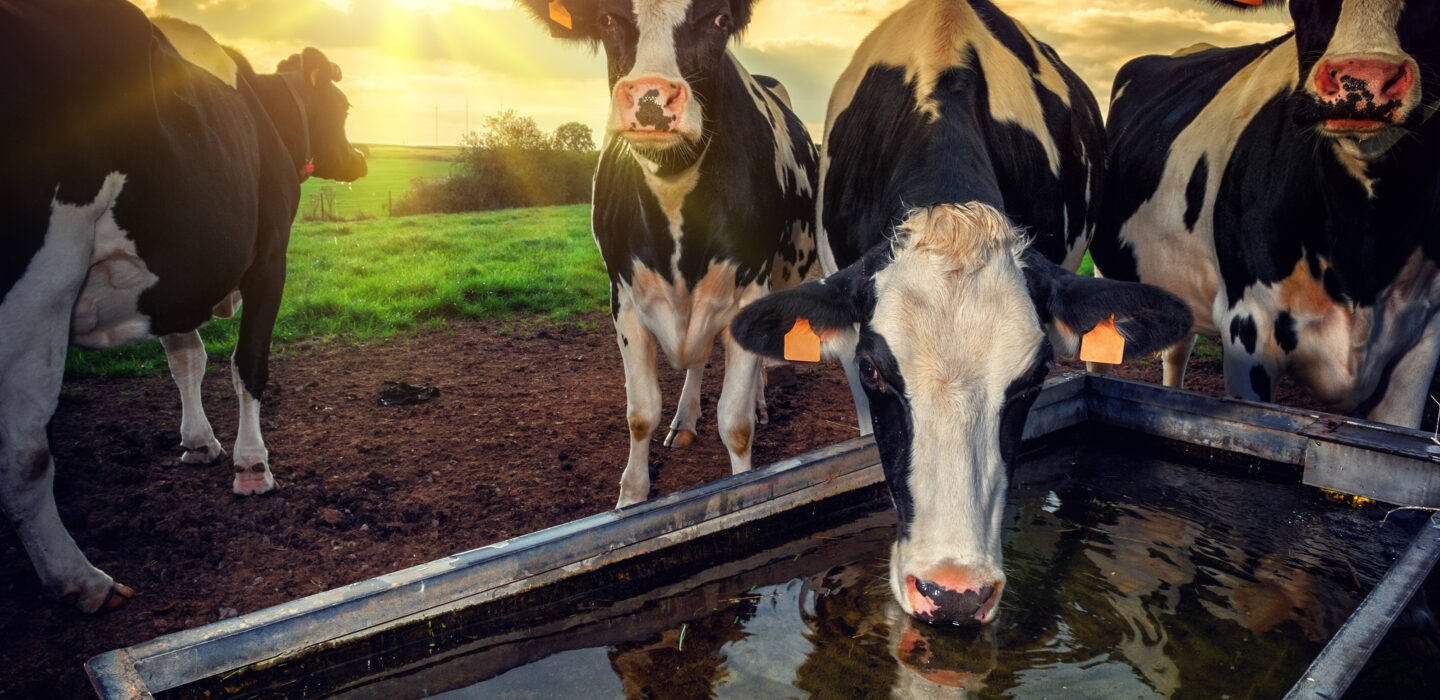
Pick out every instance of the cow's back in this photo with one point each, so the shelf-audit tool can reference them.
(109, 94)
(982, 113)
(1155, 100)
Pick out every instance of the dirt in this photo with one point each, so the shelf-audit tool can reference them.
(527, 431)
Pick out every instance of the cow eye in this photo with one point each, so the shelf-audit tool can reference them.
(607, 20)
(869, 375)
(722, 22)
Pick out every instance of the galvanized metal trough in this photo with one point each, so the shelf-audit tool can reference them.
(1380, 462)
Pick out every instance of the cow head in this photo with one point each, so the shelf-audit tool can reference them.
(948, 327)
(663, 56)
(1364, 65)
(312, 77)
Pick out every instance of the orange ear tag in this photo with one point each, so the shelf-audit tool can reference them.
(560, 15)
(801, 343)
(1103, 344)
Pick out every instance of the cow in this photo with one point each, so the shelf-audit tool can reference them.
(960, 163)
(1288, 192)
(141, 191)
(703, 199)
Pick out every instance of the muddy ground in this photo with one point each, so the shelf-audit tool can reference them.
(527, 431)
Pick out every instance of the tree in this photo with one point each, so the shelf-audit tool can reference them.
(507, 129)
(573, 136)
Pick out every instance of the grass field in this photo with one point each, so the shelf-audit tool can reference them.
(375, 278)
(392, 168)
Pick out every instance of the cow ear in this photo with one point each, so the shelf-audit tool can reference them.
(828, 305)
(1147, 317)
(316, 67)
(566, 19)
(740, 13)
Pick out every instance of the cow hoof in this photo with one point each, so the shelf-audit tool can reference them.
(251, 483)
(119, 595)
(762, 416)
(677, 439)
(208, 454)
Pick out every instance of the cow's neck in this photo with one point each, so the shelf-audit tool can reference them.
(283, 102)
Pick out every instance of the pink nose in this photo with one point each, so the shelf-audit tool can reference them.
(651, 104)
(1363, 82)
(951, 596)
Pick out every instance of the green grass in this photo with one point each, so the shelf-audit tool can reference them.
(376, 278)
(392, 168)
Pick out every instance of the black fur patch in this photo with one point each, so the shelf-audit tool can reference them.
(1195, 192)
(1260, 382)
(1243, 331)
(1285, 333)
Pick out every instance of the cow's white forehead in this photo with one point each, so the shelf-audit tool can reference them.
(953, 306)
(1367, 26)
(660, 14)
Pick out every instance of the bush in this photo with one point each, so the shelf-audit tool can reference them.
(503, 178)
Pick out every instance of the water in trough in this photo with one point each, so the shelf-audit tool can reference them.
(1129, 577)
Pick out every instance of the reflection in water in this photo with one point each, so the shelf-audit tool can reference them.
(1127, 578)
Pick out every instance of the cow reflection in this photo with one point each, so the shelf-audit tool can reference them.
(865, 645)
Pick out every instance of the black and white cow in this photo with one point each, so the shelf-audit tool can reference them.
(703, 199)
(1288, 192)
(951, 126)
(142, 191)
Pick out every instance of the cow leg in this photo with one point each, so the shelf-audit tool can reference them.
(857, 391)
(34, 330)
(1403, 400)
(1175, 359)
(261, 288)
(185, 353)
(642, 401)
(29, 391)
(762, 413)
(682, 429)
(735, 412)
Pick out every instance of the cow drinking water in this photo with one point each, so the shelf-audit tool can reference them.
(1289, 192)
(703, 200)
(951, 126)
(146, 181)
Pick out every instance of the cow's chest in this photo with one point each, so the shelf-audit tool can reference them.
(684, 318)
(670, 270)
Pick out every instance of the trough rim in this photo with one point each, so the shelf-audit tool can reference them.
(1279, 435)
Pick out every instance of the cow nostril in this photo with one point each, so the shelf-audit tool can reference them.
(1401, 73)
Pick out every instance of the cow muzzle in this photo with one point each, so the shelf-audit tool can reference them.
(953, 595)
(651, 109)
(348, 167)
(1362, 94)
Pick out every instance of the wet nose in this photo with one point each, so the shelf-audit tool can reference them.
(952, 599)
(1363, 82)
(651, 104)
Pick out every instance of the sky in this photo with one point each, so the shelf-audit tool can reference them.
(411, 67)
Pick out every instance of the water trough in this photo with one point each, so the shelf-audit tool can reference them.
(1387, 464)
